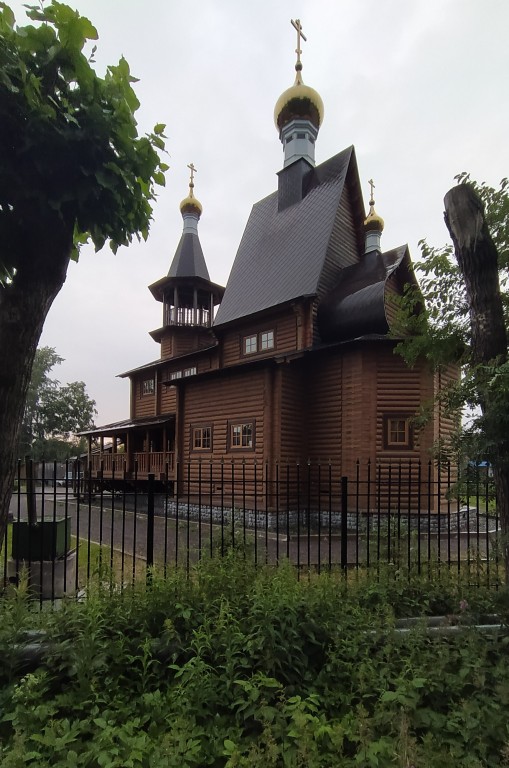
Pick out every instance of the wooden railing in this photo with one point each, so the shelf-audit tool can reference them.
(155, 462)
(109, 462)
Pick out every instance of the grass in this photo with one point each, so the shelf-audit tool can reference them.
(236, 666)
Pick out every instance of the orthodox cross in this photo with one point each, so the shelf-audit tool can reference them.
(298, 26)
(191, 181)
(372, 185)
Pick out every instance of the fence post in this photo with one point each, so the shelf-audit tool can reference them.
(30, 491)
(344, 523)
(150, 527)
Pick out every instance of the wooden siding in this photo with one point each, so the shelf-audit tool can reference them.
(167, 346)
(293, 414)
(168, 399)
(324, 410)
(285, 338)
(239, 397)
(143, 405)
(399, 391)
(182, 341)
(402, 390)
(356, 413)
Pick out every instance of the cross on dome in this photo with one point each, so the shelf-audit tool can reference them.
(300, 34)
(191, 180)
(372, 185)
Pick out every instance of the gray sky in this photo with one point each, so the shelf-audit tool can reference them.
(420, 88)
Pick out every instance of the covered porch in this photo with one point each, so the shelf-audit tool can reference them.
(133, 448)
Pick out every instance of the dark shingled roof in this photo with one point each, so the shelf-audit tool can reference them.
(127, 424)
(281, 253)
(356, 305)
(189, 260)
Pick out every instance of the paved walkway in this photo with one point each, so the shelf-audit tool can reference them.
(180, 540)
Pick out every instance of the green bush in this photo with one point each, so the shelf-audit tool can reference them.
(237, 666)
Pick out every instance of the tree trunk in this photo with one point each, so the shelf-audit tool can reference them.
(477, 258)
(42, 259)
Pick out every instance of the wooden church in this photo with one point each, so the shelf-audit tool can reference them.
(293, 361)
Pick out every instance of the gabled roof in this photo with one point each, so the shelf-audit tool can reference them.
(282, 252)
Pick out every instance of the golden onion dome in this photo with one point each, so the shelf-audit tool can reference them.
(299, 101)
(190, 204)
(373, 222)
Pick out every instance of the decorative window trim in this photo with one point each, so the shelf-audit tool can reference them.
(201, 438)
(397, 432)
(241, 435)
(261, 341)
(148, 387)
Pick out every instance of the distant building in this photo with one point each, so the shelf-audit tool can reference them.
(294, 360)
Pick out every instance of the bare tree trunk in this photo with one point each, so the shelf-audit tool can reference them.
(24, 304)
(477, 258)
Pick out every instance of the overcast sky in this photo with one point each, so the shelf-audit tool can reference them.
(420, 87)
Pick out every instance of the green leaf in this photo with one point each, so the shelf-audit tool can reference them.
(7, 18)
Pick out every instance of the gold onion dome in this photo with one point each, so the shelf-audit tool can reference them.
(373, 222)
(190, 204)
(299, 101)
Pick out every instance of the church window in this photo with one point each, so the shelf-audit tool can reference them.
(258, 342)
(148, 387)
(190, 371)
(241, 435)
(202, 438)
(250, 344)
(175, 375)
(397, 432)
(267, 340)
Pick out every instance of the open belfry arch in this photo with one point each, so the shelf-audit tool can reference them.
(293, 361)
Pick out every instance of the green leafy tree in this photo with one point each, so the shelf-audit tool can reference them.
(53, 413)
(466, 321)
(72, 168)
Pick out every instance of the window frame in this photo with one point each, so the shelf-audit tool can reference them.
(250, 337)
(267, 333)
(242, 423)
(256, 340)
(148, 387)
(201, 429)
(401, 445)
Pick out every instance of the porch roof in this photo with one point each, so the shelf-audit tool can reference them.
(129, 424)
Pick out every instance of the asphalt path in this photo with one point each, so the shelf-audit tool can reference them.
(121, 530)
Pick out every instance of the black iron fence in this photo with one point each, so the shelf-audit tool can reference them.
(70, 525)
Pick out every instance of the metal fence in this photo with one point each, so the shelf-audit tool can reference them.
(71, 526)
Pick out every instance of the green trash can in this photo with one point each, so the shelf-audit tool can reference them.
(41, 541)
